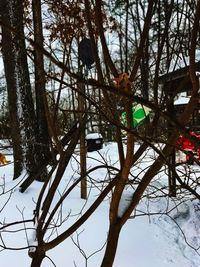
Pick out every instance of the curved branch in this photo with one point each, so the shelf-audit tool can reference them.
(86, 215)
(63, 197)
(143, 39)
(99, 23)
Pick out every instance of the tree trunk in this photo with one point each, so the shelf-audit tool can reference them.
(111, 247)
(82, 110)
(43, 139)
(37, 258)
(20, 100)
(8, 58)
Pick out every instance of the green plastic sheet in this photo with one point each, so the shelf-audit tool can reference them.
(140, 113)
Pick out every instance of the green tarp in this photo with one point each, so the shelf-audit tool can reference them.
(140, 113)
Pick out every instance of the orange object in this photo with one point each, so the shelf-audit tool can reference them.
(3, 159)
(122, 81)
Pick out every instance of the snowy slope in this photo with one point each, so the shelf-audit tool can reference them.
(145, 241)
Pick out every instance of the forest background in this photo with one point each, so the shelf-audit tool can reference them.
(54, 92)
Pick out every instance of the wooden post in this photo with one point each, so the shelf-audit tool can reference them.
(172, 156)
(82, 109)
(172, 177)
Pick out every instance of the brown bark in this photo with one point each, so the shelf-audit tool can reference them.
(111, 248)
(82, 108)
(37, 257)
(99, 23)
(108, 60)
(18, 87)
(143, 39)
(43, 139)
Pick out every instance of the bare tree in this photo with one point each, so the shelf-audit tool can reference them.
(118, 93)
(40, 81)
(22, 115)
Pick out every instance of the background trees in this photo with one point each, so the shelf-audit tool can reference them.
(142, 39)
(21, 107)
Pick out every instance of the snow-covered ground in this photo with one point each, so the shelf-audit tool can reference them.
(158, 240)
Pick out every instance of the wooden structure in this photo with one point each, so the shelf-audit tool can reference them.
(173, 85)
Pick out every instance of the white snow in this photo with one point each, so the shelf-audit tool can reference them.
(182, 98)
(1, 64)
(93, 136)
(158, 240)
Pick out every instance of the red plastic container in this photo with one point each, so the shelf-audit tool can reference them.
(186, 145)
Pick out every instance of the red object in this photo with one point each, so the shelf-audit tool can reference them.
(186, 145)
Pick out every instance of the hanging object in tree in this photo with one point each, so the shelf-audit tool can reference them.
(140, 113)
(122, 81)
(85, 53)
(3, 160)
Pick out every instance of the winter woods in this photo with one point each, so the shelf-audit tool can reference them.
(139, 52)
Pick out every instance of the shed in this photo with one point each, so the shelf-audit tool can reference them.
(177, 88)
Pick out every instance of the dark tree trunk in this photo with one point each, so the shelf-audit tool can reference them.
(111, 247)
(8, 58)
(37, 258)
(43, 139)
(20, 100)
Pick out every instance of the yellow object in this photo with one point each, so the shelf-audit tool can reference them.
(122, 81)
(3, 160)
